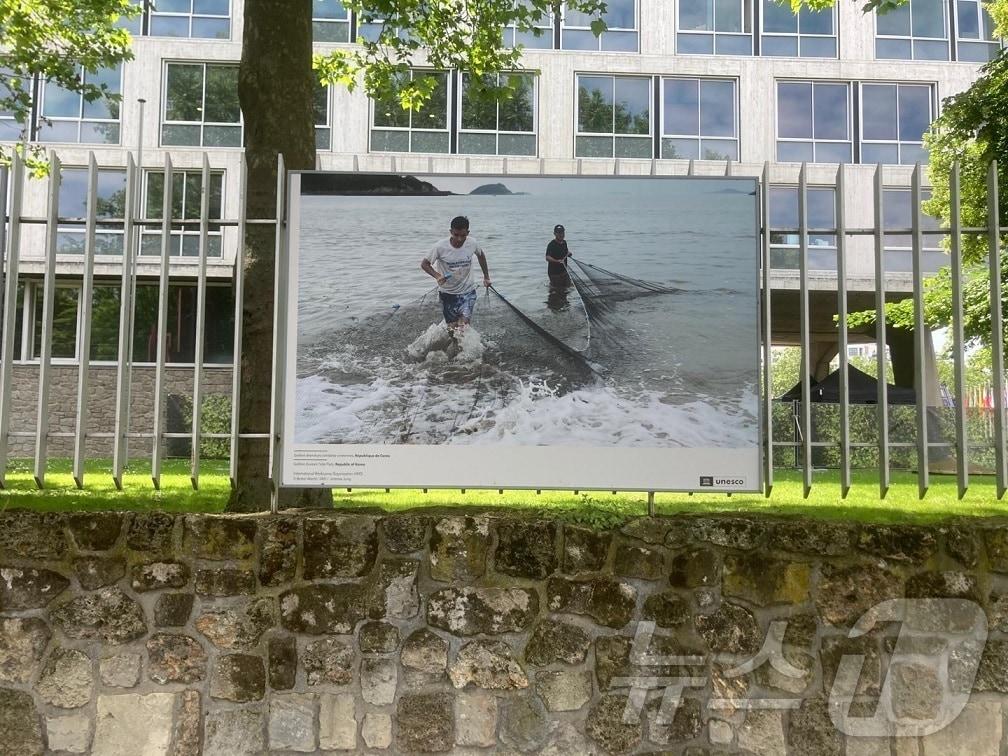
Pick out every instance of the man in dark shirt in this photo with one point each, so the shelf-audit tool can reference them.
(556, 258)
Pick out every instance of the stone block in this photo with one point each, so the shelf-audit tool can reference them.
(186, 737)
(835, 648)
(66, 679)
(607, 726)
(324, 608)
(731, 629)
(282, 664)
(489, 665)
(238, 677)
(220, 537)
(673, 726)
(29, 588)
(762, 733)
(173, 609)
(811, 537)
(225, 582)
(278, 552)
(395, 592)
(555, 641)
(376, 730)
(133, 723)
(150, 532)
(584, 549)
(22, 642)
(120, 670)
(476, 719)
(378, 681)
(639, 562)
(95, 531)
(233, 732)
(564, 690)
(525, 724)
(109, 615)
(425, 651)
(291, 724)
(343, 546)
(472, 611)
(695, 568)
(607, 601)
(720, 732)
(811, 731)
(963, 545)
(977, 731)
(667, 609)
(328, 661)
(916, 691)
(425, 722)
(378, 638)
(899, 543)
(458, 549)
(648, 529)
(337, 722)
(763, 581)
(405, 534)
(69, 733)
(845, 593)
(98, 572)
(175, 658)
(158, 575)
(525, 549)
(240, 627)
(20, 725)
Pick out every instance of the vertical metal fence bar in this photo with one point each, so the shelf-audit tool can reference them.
(882, 401)
(768, 458)
(279, 339)
(955, 234)
(4, 184)
(197, 402)
(13, 255)
(997, 328)
(168, 191)
(124, 373)
(803, 314)
(239, 297)
(841, 252)
(86, 307)
(920, 332)
(48, 306)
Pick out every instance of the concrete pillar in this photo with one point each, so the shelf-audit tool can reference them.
(821, 354)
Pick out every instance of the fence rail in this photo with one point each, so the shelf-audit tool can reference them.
(126, 436)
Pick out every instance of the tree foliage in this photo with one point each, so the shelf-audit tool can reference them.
(55, 39)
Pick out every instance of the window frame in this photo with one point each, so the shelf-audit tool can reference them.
(899, 143)
(202, 124)
(714, 34)
(798, 35)
(578, 134)
(187, 230)
(984, 23)
(79, 120)
(319, 22)
(915, 40)
(813, 140)
(793, 247)
(410, 130)
(75, 229)
(736, 125)
(151, 13)
(600, 39)
(498, 132)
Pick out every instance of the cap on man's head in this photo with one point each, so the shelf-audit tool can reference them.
(557, 227)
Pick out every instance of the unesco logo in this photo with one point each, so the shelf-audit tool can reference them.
(709, 481)
(706, 481)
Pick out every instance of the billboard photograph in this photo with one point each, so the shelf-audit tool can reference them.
(521, 332)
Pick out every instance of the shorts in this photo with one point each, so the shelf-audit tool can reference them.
(457, 306)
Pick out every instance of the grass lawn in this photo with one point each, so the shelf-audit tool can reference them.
(592, 508)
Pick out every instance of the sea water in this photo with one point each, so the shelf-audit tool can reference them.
(681, 370)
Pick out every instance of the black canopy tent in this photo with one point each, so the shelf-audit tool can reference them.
(862, 389)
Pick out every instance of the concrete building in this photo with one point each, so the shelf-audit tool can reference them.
(674, 85)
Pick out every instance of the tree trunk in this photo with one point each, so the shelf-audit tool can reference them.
(275, 88)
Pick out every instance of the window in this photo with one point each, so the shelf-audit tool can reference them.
(201, 106)
(544, 41)
(974, 32)
(721, 27)
(813, 122)
(897, 214)
(426, 130)
(613, 117)
(66, 116)
(330, 21)
(110, 202)
(198, 19)
(820, 213)
(323, 132)
(497, 127)
(809, 34)
(621, 28)
(187, 196)
(699, 119)
(12, 129)
(916, 30)
(894, 118)
(218, 339)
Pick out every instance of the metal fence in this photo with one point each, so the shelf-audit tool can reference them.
(126, 439)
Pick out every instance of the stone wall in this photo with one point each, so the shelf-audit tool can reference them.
(101, 404)
(320, 632)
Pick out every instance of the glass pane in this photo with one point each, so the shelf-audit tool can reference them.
(59, 131)
(72, 200)
(619, 41)
(573, 18)
(69, 242)
(108, 243)
(329, 9)
(681, 106)
(389, 141)
(780, 46)
(717, 108)
(99, 133)
(105, 323)
(620, 14)
(930, 50)
(914, 112)
(516, 144)
(728, 16)
(778, 17)
(169, 26)
(388, 111)
(593, 147)
(222, 136)
(211, 28)
(912, 153)
(830, 111)
(426, 141)
(894, 23)
(820, 208)
(595, 104)
(733, 44)
(530, 40)
(783, 207)
(719, 149)
(927, 18)
(64, 324)
(878, 111)
(174, 6)
(60, 103)
(893, 49)
(479, 111)
(695, 44)
(818, 47)
(222, 95)
(574, 39)
(968, 20)
(975, 52)
(477, 144)
(831, 152)
(633, 147)
(192, 187)
(211, 7)
(111, 201)
(631, 112)
(321, 105)
(517, 112)
(794, 110)
(184, 94)
(794, 152)
(696, 15)
(330, 31)
(683, 149)
(815, 22)
(434, 113)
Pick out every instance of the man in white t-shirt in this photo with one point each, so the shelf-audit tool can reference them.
(450, 264)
